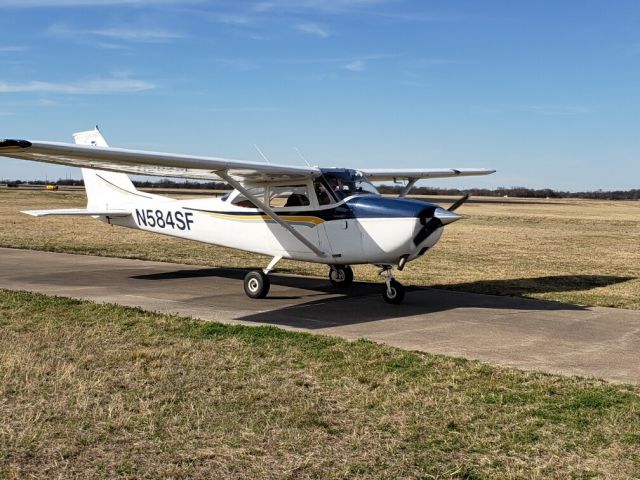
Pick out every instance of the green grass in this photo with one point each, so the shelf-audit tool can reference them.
(99, 391)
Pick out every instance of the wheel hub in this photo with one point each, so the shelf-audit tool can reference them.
(253, 285)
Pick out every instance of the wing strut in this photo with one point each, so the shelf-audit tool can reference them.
(407, 189)
(266, 209)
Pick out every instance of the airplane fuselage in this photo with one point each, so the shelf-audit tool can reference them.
(357, 230)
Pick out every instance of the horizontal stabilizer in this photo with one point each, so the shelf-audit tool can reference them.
(78, 211)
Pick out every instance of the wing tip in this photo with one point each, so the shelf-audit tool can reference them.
(33, 213)
(13, 144)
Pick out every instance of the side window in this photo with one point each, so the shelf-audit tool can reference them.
(289, 196)
(324, 197)
(242, 201)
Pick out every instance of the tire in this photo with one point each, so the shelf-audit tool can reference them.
(397, 293)
(341, 276)
(256, 284)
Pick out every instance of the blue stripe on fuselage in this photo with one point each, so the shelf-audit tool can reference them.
(365, 206)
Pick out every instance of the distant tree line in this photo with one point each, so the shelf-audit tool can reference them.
(518, 192)
(522, 192)
(163, 183)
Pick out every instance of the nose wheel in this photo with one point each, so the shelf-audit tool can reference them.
(341, 276)
(394, 291)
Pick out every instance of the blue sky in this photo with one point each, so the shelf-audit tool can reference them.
(546, 92)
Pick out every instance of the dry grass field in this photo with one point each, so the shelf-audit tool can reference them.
(100, 391)
(576, 251)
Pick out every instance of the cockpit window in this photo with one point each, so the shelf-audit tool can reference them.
(289, 196)
(346, 183)
(241, 201)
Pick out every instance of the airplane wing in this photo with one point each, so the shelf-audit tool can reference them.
(139, 162)
(385, 175)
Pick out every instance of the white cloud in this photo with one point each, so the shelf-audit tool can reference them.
(557, 110)
(340, 60)
(127, 34)
(97, 86)
(323, 6)
(137, 35)
(254, 13)
(112, 46)
(13, 48)
(227, 18)
(417, 17)
(313, 29)
(237, 64)
(84, 3)
(355, 66)
(244, 109)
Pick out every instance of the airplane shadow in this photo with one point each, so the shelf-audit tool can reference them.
(525, 286)
(316, 304)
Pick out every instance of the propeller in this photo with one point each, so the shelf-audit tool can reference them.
(458, 203)
(440, 218)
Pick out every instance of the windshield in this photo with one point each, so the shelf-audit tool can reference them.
(345, 183)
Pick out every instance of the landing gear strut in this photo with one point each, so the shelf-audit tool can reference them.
(341, 276)
(394, 291)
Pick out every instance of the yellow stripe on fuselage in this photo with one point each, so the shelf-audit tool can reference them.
(287, 218)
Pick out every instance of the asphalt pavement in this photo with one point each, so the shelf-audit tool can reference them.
(522, 333)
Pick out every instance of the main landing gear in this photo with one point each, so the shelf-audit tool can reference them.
(256, 284)
(394, 291)
(341, 276)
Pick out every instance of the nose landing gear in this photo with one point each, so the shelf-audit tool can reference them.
(394, 291)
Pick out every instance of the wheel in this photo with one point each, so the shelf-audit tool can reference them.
(256, 284)
(341, 276)
(395, 294)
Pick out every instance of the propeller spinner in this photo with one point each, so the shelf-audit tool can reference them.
(441, 217)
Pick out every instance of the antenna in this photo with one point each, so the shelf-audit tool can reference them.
(261, 154)
(301, 156)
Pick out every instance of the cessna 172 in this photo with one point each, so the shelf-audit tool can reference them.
(333, 216)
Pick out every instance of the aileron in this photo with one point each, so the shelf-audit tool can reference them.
(78, 211)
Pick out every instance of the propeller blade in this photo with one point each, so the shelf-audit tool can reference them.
(424, 233)
(458, 203)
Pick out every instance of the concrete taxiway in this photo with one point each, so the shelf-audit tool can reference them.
(529, 334)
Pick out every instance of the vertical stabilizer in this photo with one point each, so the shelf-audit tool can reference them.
(104, 189)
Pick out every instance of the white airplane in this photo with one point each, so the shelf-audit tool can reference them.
(333, 216)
